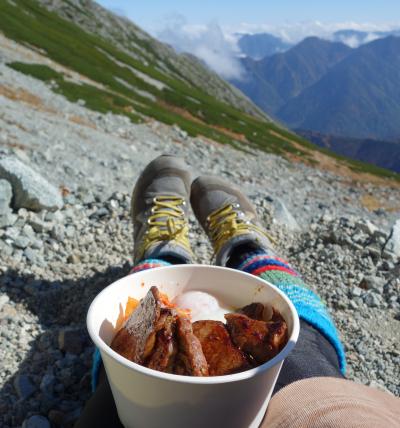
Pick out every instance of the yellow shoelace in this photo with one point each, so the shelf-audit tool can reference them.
(225, 223)
(167, 223)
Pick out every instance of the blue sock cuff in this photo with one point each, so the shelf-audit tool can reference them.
(96, 364)
(312, 310)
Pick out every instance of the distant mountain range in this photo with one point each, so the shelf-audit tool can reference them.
(358, 97)
(274, 80)
(260, 45)
(330, 88)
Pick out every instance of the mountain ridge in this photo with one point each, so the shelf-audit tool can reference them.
(330, 88)
(285, 75)
(358, 98)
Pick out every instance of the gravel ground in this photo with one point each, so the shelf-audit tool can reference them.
(53, 263)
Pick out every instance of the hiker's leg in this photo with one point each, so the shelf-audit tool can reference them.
(240, 242)
(318, 351)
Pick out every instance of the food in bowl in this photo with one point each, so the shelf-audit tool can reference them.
(160, 335)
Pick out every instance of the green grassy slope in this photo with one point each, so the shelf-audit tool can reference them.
(124, 90)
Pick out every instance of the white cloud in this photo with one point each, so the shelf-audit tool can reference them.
(217, 47)
(207, 42)
(294, 32)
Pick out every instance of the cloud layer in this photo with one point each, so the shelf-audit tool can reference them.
(295, 32)
(207, 42)
(217, 47)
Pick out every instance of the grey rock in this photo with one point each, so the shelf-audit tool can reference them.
(101, 212)
(372, 283)
(24, 386)
(393, 244)
(372, 300)
(389, 255)
(17, 255)
(22, 242)
(30, 255)
(366, 226)
(30, 190)
(28, 231)
(356, 292)
(7, 219)
(12, 233)
(70, 232)
(38, 225)
(56, 216)
(353, 305)
(5, 249)
(36, 421)
(58, 232)
(283, 216)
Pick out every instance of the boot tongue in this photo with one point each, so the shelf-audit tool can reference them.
(168, 249)
(170, 185)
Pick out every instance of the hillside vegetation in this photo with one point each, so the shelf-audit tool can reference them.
(139, 81)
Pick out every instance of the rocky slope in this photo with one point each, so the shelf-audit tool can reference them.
(123, 33)
(335, 229)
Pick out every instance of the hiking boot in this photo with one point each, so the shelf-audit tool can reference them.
(159, 210)
(228, 218)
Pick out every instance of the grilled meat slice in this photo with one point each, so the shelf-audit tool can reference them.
(254, 310)
(137, 337)
(166, 347)
(262, 340)
(190, 360)
(222, 356)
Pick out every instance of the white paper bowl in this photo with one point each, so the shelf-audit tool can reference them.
(148, 398)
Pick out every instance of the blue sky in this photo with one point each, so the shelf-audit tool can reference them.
(209, 28)
(152, 14)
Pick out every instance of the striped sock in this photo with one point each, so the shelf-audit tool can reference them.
(307, 303)
(149, 264)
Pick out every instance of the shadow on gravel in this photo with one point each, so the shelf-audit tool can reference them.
(54, 378)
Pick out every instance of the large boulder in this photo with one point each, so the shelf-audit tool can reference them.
(30, 189)
(393, 244)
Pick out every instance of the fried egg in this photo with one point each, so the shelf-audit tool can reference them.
(201, 306)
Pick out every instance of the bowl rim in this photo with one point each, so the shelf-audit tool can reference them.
(206, 380)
